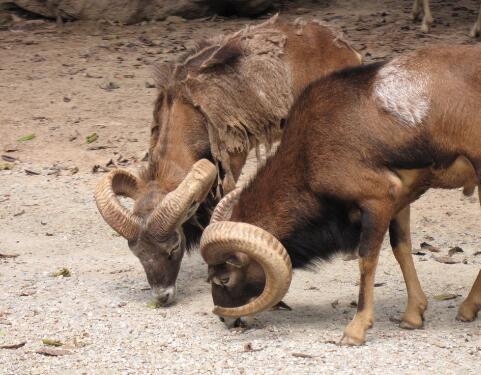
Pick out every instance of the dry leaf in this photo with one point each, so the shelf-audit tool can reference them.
(27, 137)
(446, 260)
(9, 158)
(19, 213)
(31, 173)
(52, 342)
(64, 272)
(4, 256)
(302, 355)
(6, 167)
(26, 293)
(13, 346)
(445, 297)
(282, 306)
(53, 352)
(429, 247)
(92, 138)
(110, 86)
(154, 304)
(98, 168)
(248, 348)
(455, 250)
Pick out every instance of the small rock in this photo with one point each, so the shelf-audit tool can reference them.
(174, 19)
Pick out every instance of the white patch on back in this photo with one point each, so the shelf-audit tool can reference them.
(403, 92)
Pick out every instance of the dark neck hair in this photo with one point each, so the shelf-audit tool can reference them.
(322, 235)
(192, 230)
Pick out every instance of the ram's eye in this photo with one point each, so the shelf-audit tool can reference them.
(174, 249)
(154, 131)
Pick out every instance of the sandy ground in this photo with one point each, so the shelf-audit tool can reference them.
(53, 84)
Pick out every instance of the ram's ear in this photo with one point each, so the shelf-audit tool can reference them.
(225, 54)
(238, 260)
(162, 75)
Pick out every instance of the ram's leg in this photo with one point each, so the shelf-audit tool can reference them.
(374, 224)
(428, 18)
(472, 304)
(416, 9)
(476, 27)
(400, 237)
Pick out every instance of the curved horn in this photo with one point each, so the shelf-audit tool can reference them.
(223, 210)
(118, 182)
(221, 239)
(171, 212)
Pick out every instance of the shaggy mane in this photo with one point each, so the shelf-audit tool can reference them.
(241, 85)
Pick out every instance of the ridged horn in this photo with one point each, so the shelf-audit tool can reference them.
(172, 211)
(118, 182)
(223, 210)
(220, 240)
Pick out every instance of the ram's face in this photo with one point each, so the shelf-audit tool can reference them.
(236, 282)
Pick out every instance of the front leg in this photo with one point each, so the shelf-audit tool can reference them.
(428, 18)
(472, 304)
(374, 224)
(400, 237)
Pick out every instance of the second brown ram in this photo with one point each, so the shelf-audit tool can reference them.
(358, 148)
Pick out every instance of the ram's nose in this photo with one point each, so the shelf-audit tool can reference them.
(164, 296)
(243, 322)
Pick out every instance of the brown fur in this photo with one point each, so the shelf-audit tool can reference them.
(219, 100)
(242, 85)
(343, 150)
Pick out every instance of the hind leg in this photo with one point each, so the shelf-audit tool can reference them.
(476, 27)
(472, 304)
(400, 237)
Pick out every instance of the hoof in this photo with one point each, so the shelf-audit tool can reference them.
(469, 190)
(425, 28)
(351, 341)
(238, 323)
(474, 33)
(466, 316)
(411, 325)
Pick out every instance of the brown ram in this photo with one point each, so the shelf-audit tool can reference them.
(224, 97)
(359, 147)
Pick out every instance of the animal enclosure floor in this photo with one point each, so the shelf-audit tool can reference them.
(65, 85)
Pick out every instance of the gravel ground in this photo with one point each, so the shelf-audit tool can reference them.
(51, 85)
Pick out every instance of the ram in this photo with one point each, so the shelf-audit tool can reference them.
(359, 147)
(227, 95)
